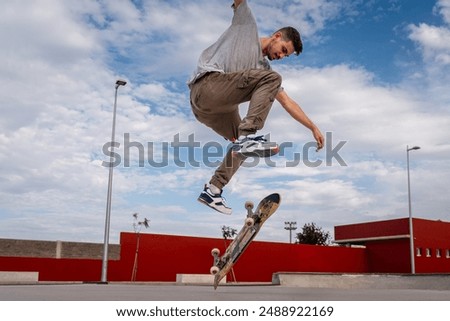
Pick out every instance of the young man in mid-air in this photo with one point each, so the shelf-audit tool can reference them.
(234, 70)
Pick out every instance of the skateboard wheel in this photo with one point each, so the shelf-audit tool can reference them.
(214, 270)
(249, 221)
(249, 205)
(215, 252)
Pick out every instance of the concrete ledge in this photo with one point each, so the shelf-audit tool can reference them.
(363, 281)
(18, 277)
(197, 279)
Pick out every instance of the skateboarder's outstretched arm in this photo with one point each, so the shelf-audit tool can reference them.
(299, 115)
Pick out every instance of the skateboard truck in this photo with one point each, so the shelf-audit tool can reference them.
(249, 221)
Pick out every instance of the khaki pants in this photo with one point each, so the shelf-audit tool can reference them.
(215, 100)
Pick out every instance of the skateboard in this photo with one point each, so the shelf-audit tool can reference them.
(253, 223)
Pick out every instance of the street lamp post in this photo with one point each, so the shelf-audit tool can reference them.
(109, 193)
(290, 226)
(411, 234)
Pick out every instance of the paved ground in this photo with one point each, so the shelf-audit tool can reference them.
(173, 292)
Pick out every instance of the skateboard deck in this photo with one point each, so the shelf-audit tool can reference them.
(253, 223)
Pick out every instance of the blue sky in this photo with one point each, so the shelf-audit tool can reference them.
(373, 74)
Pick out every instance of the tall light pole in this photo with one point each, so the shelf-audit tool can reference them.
(109, 193)
(290, 226)
(411, 234)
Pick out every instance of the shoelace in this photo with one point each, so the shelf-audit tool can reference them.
(224, 200)
(220, 194)
(256, 139)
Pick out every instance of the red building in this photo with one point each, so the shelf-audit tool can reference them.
(387, 244)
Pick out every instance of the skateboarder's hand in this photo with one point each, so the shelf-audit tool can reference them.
(319, 138)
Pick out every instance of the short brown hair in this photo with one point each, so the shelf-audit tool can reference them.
(292, 34)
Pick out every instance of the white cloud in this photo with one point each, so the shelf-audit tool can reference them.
(348, 102)
(443, 8)
(433, 74)
(309, 17)
(434, 41)
(44, 30)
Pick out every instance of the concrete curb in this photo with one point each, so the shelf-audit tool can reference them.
(363, 281)
(197, 279)
(19, 277)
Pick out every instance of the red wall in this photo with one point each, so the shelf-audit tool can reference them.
(161, 257)
(389, 256)
(55, 269)
(432, 235)
(269, 258)
(372, 229)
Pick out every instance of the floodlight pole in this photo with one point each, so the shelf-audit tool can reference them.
(104, 278)
(290, 226)
(411, 234)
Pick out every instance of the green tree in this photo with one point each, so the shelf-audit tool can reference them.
(314, 235)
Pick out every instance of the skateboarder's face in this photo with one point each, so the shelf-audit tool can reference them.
(278, 48)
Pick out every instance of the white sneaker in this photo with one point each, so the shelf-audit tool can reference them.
(215, 201)
(254, 146)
